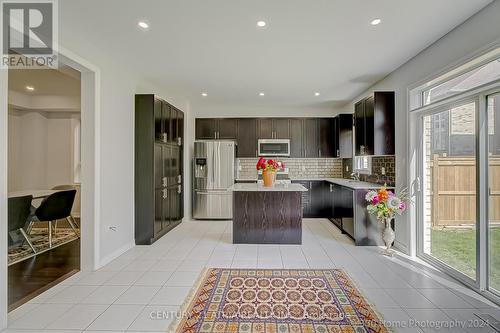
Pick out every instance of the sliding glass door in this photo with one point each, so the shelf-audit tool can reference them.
(449, 194)
(493, 109)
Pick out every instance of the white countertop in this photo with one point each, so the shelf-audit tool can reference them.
(349, 183)
(249, 187)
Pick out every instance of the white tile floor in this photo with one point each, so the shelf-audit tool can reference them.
(149, 280)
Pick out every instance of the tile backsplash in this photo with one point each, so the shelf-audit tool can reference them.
(378, 162)
(298, 167)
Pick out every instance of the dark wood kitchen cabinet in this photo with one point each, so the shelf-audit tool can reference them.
(247, 137)
(206, 128)
(316, 201)
(343, 135)
(374, 124)
(296, 138)
(216, 128)
(311, 137)
(327, 142)
(158, 179)
(274, 128)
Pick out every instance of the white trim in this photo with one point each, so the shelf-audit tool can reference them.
(115, 254)
(90, 113)
(4, 82)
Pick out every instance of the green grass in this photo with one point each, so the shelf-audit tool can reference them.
(457, 248)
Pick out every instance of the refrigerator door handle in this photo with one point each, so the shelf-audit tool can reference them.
(212, 192)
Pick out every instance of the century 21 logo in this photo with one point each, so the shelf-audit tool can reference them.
(28, 27)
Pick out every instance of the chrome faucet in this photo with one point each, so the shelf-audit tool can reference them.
(355, 176)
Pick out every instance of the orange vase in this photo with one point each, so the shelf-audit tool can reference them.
(269, 178)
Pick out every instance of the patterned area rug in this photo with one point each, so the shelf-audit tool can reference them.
(41, 243)
(277, 301)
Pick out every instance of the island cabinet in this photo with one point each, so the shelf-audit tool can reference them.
(158, 179)
(374, 124)
(267, 215)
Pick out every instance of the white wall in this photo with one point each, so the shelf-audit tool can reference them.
(477, 33)
(118, 85)
(40, 149)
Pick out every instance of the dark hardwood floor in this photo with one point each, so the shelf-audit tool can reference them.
(31, 277)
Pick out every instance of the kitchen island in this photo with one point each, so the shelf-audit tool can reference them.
(267, 215)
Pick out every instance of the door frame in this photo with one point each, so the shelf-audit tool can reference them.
(478, 94)
(90, 180)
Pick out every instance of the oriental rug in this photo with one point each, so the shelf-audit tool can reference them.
(278, 301)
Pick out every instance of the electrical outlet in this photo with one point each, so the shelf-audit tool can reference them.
(382, 171)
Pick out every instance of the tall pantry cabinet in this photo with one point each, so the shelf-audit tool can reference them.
(159, 179)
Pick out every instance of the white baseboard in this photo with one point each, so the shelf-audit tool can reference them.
(112, 256)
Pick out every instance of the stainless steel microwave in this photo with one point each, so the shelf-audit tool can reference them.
(274, 147)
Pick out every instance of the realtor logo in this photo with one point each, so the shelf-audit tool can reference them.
(29, 34)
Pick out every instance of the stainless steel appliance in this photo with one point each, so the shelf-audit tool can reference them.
(274, 147)
(214, 174)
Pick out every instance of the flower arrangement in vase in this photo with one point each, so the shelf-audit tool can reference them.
(269, 169)
(385, 205)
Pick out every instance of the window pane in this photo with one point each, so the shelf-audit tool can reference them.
(494, 191)
(450, 187)
(475, 78)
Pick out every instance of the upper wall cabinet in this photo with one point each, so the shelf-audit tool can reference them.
(247, 137)
(216, 128)
(374, 124)
(343, 135)
(274, 128)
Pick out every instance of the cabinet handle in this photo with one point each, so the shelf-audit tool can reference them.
(164, 137)
(215, 134)
(165, 193)
(179, 189)
(179, 178)
(331, 188)
(164, 181)
(319, 152)
(179, 141)
(338, 152)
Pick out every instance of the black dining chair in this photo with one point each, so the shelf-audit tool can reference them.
(55, 207)
(18, 212)
(70, 219)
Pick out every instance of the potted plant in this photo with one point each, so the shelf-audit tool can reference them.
(269, 169)
(384, 204)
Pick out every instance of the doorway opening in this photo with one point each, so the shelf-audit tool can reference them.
(44, 180)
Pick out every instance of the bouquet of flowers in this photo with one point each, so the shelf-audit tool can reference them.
(269, 165)
(384, 204)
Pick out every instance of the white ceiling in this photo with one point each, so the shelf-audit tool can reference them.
(47, 82)
(213, 46)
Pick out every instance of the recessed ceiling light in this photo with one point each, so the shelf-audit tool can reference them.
(143, 25)
(261, 94)
(261, 24)
(204, 94)
(317, 94)
(30, 88)
(376, 21)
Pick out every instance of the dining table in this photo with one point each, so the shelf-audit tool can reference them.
(37, 194)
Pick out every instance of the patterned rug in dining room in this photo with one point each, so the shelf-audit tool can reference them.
(41, 243)
(277, 301)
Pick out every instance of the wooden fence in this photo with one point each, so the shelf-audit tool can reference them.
(453, 190)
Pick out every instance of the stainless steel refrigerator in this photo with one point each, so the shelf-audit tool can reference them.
(213, 175)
